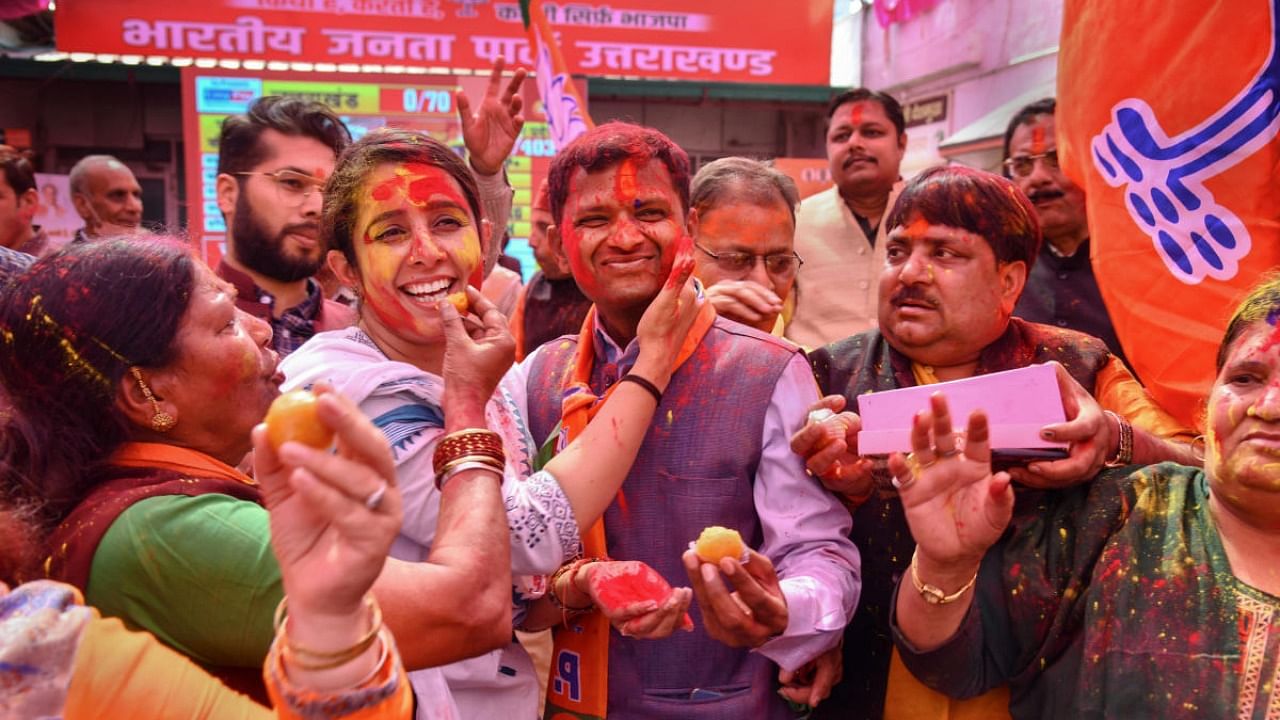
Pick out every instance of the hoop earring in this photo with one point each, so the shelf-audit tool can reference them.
(1198, 447)
(161, 421)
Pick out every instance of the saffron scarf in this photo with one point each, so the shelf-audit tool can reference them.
(581, 646)
(184, 461)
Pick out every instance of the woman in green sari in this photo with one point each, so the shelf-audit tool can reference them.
(1152, 592)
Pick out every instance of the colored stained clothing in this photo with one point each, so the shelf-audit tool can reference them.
(837, 286)
(59, 658)
(188, 559)
(1062, 291)
(502, 288)
(866, 363)
(1114, 600)
(38, 245)
(547, 309)
(13, 262)
(717, 452)
(405, 403)
(295, 325)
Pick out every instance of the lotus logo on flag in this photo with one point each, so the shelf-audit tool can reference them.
(1163, 178)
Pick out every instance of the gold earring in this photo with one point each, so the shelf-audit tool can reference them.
(1198, 447)
(161, 421)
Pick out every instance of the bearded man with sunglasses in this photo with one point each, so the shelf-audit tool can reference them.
(1061, 289)
(743, 221)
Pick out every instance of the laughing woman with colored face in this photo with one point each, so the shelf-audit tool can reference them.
(406, 230)
(1152, 592)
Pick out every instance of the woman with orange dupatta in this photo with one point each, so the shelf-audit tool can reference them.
(134, 383)
(59, 658)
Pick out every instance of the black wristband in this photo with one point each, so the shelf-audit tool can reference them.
(650, 387)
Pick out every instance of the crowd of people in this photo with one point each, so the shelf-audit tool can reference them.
(502, 527)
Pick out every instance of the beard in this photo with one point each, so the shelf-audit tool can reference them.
(263, 253)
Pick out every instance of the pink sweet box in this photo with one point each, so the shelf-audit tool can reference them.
(1018, 404)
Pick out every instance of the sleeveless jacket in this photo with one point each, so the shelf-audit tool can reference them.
(696, 467)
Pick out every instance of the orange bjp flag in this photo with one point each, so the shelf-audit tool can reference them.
(1167, 117)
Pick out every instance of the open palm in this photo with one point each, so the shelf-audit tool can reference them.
(954, 504)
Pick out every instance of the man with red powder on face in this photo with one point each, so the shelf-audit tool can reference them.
(839, 232)
(959, 247)
(716, 454)
(273, 162)
(1061, 289)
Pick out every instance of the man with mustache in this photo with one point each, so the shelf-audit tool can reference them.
(1061, 289)
(960, 244)
(273, 162)
(838, 231)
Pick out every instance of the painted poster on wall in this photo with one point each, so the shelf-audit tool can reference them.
(55, 213)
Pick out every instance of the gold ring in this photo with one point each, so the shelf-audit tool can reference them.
(917, 467)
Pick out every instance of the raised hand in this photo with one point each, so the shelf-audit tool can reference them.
(754, 611)
(829, 445)
(955, 506)
(1086, 429)
(491, 132)
(333, 516)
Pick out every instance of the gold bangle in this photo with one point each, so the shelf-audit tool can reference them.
(933, 594)
(450, 468)
(571, 569)
(332, 659)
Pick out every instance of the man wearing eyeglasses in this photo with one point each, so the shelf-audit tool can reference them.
(743, 221)
(273, 162)
(1061, 289)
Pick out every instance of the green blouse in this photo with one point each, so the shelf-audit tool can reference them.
(197, 572)
(1114, 600)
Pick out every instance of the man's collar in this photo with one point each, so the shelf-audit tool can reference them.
(261, 302)
(244, 284)
(606, 348)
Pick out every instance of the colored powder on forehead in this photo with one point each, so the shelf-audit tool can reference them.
(625, 182)
(1037, 139)
(1272, 340)
(422, 189)
(917, 228)
(384, 189)
(855, 114)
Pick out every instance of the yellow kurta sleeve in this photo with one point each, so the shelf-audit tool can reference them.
(1120, 392)
(119, 671)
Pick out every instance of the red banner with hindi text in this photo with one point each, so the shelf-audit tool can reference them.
(752, 41)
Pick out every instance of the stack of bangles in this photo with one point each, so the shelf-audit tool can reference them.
(314, 660)
(569, 572)
(470, 449)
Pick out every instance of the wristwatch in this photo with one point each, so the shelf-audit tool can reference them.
(933, 594)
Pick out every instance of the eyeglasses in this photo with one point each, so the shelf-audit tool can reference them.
(1024, 165)
(292, 188)
(778, 264)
